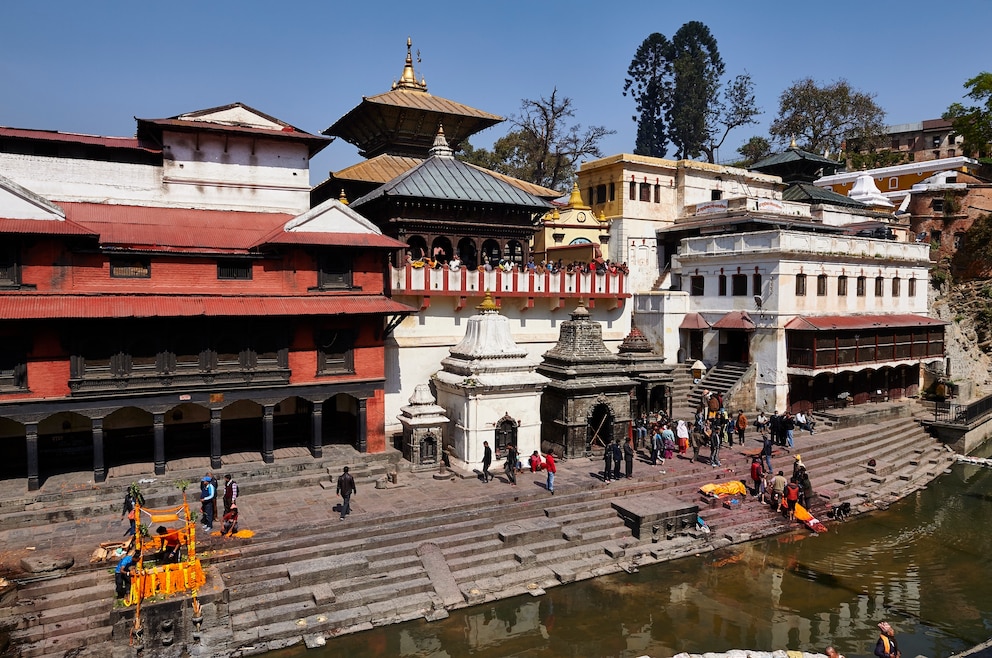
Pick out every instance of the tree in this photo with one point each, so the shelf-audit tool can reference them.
(737, 109)
(543, 149)
(697, 65)
(649, 83)
(676, 90)
(753, 150)
(974, 123)
(821, 118)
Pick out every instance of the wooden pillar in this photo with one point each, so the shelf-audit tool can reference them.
(31, 437)
(99, 468)
(159, 429)
(363, 439)
(316, 431)
(215, 444)
(268, 434)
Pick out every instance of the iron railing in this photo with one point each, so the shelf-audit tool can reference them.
(962, 414)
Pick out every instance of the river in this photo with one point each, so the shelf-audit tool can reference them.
(923, 564)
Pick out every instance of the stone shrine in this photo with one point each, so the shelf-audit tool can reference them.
(424, 423)
(587, 403)
(490, 389)
(648, 369)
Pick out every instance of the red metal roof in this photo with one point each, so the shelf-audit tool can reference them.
(75, 138)
(735, 320)
(844, 322)
(43, 227)
(315, 143)
(34, 306)
(168, 228)
(694, 321)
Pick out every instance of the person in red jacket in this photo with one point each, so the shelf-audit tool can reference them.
(549, 464)
(757, 476)
(792, 497)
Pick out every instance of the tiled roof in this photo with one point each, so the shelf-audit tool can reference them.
(448, 179)
(380, 169)
(843, 322)
(25, 306)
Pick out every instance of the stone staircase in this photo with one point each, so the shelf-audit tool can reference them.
(327, 578)
(722, 377)
(81, 501)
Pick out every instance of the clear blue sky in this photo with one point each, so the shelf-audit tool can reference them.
(90, 67)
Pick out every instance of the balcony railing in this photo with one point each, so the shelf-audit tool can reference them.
(423, 282)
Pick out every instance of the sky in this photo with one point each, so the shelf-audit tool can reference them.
(91, 67)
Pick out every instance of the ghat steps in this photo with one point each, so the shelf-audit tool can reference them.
(327, 577)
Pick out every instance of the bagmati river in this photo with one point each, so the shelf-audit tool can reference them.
(925, 565)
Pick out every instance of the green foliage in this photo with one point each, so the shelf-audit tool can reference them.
(938, 277)
(821, 118)
(874, 159)
(974, 256)
(974, 122)
(676, 90)
(650, 83)
(986, 292)
(543, 148)
(755, 149)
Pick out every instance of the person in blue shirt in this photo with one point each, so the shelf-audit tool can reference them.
(123, 571)
(208, 492)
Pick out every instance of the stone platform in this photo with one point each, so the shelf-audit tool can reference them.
(656, 515)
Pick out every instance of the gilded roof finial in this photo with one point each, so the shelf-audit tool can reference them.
(343, 197)
(488, 305)
(793, 145)
(441, 148)
(409, 79)
(576, 198)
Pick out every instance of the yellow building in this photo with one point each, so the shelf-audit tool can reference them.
(572, 233)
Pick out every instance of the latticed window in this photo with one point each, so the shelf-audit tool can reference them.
(335, 352)
(130, 268)
(234, 269)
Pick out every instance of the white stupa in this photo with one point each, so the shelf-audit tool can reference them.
(865, 191)
(490, 389)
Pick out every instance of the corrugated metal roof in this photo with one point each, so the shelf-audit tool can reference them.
(445, 178)
(315, 143)
(33, 306)
(526, 186)
(809, 193)
(735, 320)
(43, 227)
(370, 240)
(694, 321)
(380, 169)
(166, 228)
(75, 138)
(845, 322)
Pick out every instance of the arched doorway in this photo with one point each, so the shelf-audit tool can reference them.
(491, 252)
(506, 433)
(128, 438)
(514, 252)
(416, 247)
(187, 432)
(599, 428)
(241, 428)
(65, 445)
(441, 249)
(13, 446)
(468, 253)
(293, 420)
(340, 420)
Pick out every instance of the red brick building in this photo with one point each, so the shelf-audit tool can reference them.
(202, 310)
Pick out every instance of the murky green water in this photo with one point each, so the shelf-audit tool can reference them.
(925, 565)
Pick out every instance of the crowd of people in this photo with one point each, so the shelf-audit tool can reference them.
(455, 264)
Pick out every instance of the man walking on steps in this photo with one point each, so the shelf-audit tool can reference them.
(346, 487)
(549, 465)
(487, 460)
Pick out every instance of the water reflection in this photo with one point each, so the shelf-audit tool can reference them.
(922, 565)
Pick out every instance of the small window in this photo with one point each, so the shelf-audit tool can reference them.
(137, 267)
(896, 286)
(937, 139)
(657, 193)
(335, 352)
(738, 285)
(13, 366)
(879, 286)
(893, 183)
(951, 153)
(862, 284)
(633, 191)
(600, 193)
(756, 283)
(842, 286)
(697, 286)
(895, 144)
(335, 270)
(716, 195)
(800, 285)
(937, 205)
(935, 237)
(958, 239)
(645, 192)
(10, 270)
(912, 287)
(821, 285)
(234, 270)
(722, 285)
(613, 191)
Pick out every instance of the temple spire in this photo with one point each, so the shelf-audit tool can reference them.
(409, 79)
(441, 148)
